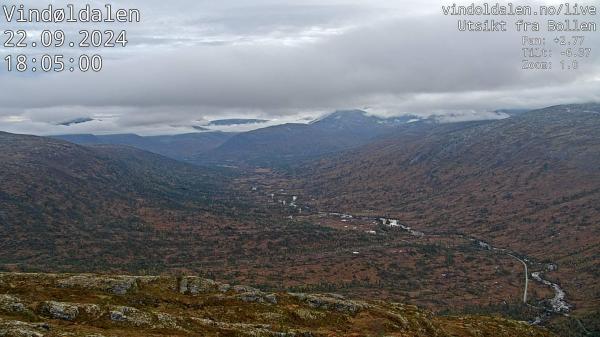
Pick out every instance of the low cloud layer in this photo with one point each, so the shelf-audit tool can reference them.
(193, 61)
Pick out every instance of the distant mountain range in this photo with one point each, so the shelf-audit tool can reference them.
(276, 145)
(290, 143)
(181, 147)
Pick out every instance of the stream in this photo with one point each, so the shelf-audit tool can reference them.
(555, 306)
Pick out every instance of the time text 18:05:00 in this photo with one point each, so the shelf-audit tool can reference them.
(53, 63)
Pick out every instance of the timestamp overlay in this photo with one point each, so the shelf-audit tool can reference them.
(548, 37)
(56, 39)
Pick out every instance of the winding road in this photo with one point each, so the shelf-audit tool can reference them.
(555, 306)
(526, 277)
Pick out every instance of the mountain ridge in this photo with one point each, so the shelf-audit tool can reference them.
(293, 142)
(56, 194)
(180, 147)
(529, 182)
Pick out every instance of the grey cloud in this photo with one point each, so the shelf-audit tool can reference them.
(260, 61)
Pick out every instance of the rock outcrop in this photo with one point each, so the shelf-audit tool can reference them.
(39, 305)
(120, 285)
(331, 302)
(11, 304)
(60, 310)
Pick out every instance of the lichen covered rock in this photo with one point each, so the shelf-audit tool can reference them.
(253, 295)
(130, 315)
(119, 285)
(331, 302)
(11, 328)
(59, 310)
(11, 304)
(197, 285)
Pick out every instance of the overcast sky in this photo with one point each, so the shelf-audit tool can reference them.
(191, 61)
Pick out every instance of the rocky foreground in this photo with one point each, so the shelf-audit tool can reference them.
(35, 305)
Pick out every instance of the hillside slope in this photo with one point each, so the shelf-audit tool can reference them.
(530, 183)
(63, 203)
(180, 147)
(290, 143)
(112, 305)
